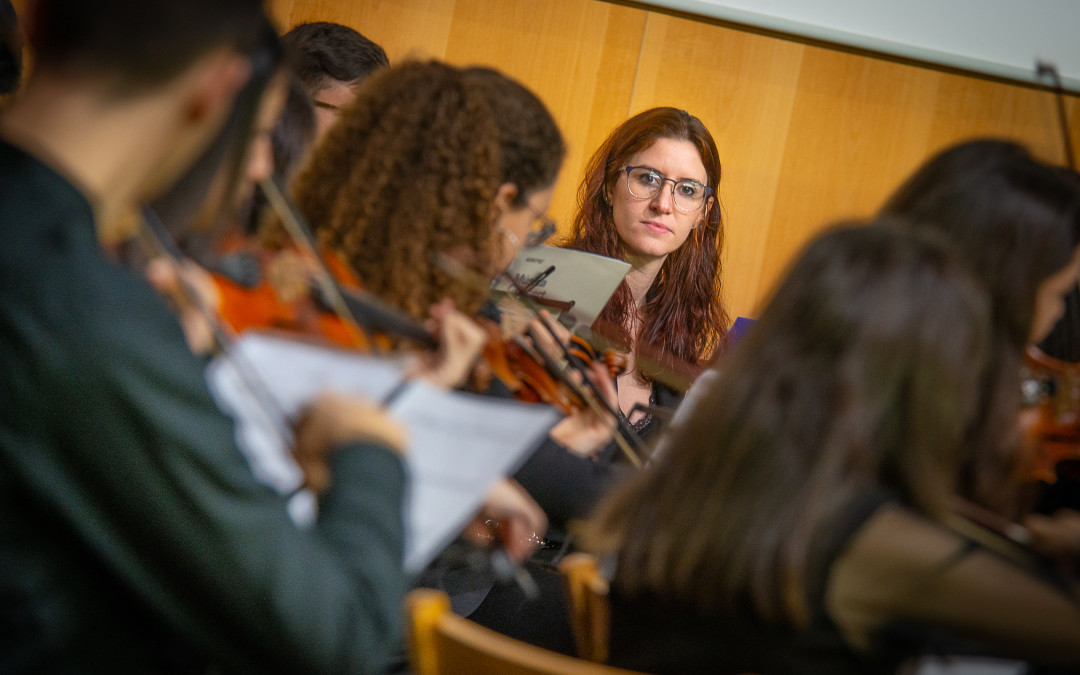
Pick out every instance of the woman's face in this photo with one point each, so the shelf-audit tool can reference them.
(652, 228)
(513, 223)
(1050, 298)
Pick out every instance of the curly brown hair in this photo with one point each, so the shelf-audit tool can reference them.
(683, 320)
(412, 168)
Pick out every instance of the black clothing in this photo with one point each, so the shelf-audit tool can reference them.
(657, 636)
(133, 534)
(567, 486)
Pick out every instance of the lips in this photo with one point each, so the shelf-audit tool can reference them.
(656, 227)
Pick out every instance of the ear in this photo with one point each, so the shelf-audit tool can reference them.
(504, 200)
(704, 217)
(213, 82)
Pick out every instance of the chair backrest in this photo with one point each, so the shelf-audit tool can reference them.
(443, 643)
(587, 593)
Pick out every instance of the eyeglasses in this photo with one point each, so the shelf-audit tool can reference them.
(541, 230)
(688, 195)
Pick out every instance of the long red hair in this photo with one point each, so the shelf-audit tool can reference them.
(683, 320)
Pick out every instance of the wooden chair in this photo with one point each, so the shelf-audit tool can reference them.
(587, 597)
(443, 643)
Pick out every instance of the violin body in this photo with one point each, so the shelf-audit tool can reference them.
(1051, 388)
(274, 289)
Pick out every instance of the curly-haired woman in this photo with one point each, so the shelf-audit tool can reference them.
(430, 160)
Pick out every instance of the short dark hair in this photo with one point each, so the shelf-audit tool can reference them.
(324, 53)
(140, 44)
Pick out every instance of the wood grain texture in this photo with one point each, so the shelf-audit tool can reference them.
(807, 134)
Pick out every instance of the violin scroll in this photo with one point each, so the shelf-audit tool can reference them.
(1050, 393)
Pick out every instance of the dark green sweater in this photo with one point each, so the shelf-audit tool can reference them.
(133, 535)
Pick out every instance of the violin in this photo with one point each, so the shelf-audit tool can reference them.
(1051, 388)
(275, 289)
(531, 375)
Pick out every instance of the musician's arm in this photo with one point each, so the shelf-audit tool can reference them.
(902, 568)
(150, 477)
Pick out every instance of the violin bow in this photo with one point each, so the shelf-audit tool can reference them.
(301, 234)
(623, 434)
(156, 238)
(597, 402)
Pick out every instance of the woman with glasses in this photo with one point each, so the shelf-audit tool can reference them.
(649, 197)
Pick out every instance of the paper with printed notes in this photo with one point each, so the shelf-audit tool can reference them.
(459, 444)
(567, 276)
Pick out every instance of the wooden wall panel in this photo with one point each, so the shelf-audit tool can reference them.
(807, 134)
(578, 57)
(743, 89)
(419, 28)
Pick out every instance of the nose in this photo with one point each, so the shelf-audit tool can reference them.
(664, 199)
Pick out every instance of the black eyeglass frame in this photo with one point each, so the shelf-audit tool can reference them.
(538, 236)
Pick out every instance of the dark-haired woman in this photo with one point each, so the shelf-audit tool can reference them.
(801, 519)
(1016, 222)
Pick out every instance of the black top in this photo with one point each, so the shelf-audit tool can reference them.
(133, 535)
(655, 635)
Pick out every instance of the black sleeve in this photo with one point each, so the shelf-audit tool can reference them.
(567, 486)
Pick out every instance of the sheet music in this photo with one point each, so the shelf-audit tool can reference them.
(584, 278)
(459, 444)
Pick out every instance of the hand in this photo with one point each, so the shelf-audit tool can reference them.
(333, 419)
(193, 294)
(460, 342)
(1057, 537)
(552, 342)
(512, 518)
(586, 432)
(290, 275)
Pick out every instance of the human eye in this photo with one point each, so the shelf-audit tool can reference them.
(690, 188)
(647, 178)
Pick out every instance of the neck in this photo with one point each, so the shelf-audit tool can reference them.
(641, 276)
(108, 149)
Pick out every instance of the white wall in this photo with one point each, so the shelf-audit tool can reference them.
(998, 37)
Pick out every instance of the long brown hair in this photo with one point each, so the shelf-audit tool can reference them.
(861, 374)
(412, 168)
(683, 318)
(1014, 220)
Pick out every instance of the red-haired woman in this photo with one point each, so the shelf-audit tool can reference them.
(649, 197)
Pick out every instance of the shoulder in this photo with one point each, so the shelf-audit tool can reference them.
(893, 554)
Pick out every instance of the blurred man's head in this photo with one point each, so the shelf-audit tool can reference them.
(332, 60)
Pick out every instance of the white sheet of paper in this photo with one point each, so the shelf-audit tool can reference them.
(459, 444)
(584, 278)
